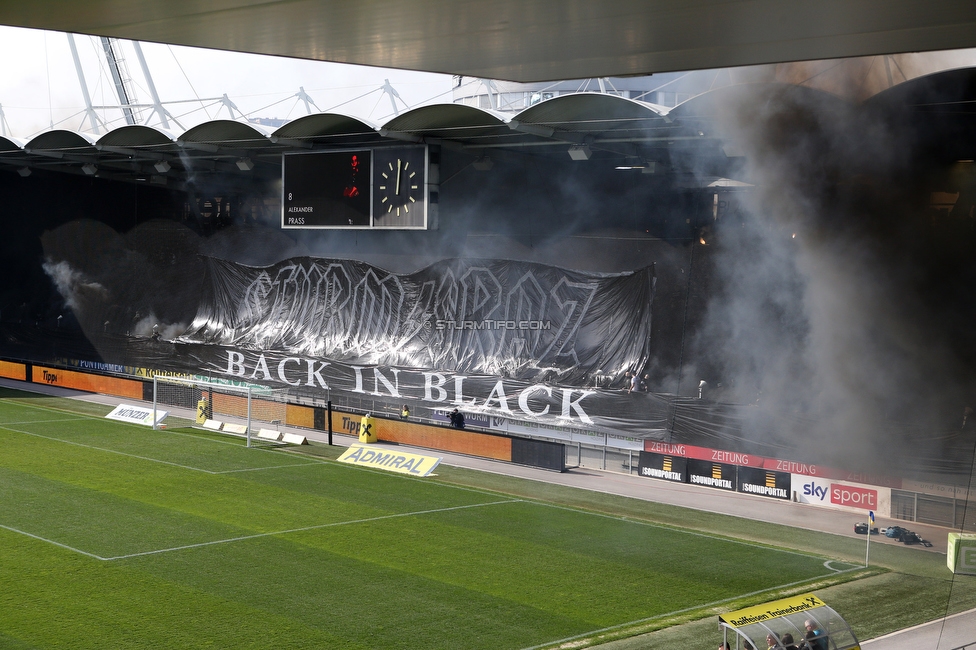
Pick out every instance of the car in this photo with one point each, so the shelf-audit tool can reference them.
(861, 528)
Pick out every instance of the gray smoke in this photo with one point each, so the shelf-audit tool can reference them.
(75, 289)
(815, 317)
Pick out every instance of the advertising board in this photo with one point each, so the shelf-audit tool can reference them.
(669, 468)
(709, 474)
(764, 482)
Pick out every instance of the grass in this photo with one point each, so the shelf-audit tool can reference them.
(117, 536)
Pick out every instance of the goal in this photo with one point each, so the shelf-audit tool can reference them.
(230, 408)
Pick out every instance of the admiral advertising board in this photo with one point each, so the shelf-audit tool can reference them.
(709, 474)
(669, 468)
(764, 482)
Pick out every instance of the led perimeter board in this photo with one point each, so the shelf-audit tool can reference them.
(356, 188)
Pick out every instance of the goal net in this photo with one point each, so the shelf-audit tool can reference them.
(233, 409)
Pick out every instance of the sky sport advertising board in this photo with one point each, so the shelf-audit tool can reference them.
(832, 494)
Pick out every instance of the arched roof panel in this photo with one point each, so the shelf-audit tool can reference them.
(953, 90)
(136, 135)
(590, 112)
(446, 116)
(324, 125)
(60, 139)
(10, 145)
(454, 122)
(229, 133)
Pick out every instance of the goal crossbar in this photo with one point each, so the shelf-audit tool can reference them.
(243, 406)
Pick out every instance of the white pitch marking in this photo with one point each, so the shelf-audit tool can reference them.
(110, 451)
(677, 529)
(676, 612)
(51, 541)
(77, 419)
(258, 469)
(306, 528)
(122, 453)
(256, 535)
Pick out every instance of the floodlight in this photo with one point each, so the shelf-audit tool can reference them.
(483, 164)
(580, 152)
(245, 164)
(162, 166)
(24, 171)
(89, 168)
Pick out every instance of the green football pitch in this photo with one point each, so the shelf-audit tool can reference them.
(118, 536)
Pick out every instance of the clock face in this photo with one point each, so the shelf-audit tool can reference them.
(400, 186)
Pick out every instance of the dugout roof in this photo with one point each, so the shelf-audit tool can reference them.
(761, 624)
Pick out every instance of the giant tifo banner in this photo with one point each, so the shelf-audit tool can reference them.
(518, 320)
(494, 337)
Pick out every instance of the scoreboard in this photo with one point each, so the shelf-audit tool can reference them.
(357, 188)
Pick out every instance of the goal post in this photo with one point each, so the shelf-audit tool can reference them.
(239, 409)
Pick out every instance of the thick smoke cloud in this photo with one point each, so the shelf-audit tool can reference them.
(817, 316)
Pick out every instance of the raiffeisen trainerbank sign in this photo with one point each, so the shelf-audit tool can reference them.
(393, 461)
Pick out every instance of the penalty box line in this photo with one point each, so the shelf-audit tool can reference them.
(254, 536)
(51, 541)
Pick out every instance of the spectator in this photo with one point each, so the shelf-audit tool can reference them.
(645, 384)
(404, 412)
(457, 419)
(634, 382)
(787, 641)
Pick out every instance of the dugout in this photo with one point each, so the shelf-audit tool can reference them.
(749, 629)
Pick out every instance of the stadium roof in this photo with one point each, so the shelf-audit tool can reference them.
(523, 40)
(612, 130)
(610, 126)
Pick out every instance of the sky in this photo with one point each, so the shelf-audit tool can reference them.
(43, 89)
